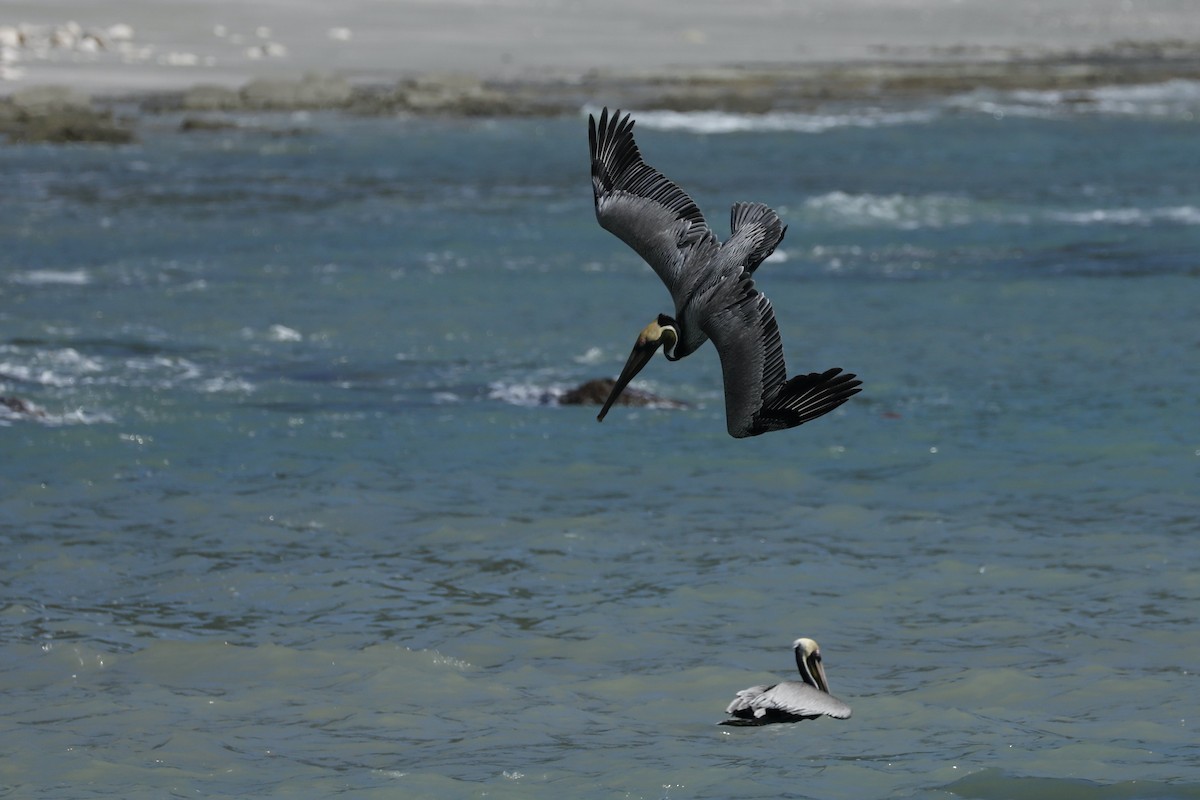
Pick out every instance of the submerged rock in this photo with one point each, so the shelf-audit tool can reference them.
(310, 92)
(455, 94)
(595, 392)
(207, 97)
(746, 88)
(19, 407)
(206, 124)
(58, 115)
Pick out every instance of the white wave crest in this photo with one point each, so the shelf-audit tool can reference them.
(59, 368)
(64, 368)
(1168, 99)
(1182, 215)
(223, 384)
(778, 121)
(1176, 98)
(526, 394)
(52, 277)
(593, 355)
(27, 412)
(892, 210)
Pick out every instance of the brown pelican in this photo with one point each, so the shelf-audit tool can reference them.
(790, 701)
(711, 285)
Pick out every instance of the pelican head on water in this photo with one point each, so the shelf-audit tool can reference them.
(711, 284)
(790, 701)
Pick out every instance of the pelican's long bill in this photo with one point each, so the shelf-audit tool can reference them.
(639, 358)
(812, 663)
(657, 333)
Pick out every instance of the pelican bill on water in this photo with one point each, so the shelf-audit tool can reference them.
(790, 701)
(711, 285)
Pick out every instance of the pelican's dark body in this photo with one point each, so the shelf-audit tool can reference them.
(711, 284)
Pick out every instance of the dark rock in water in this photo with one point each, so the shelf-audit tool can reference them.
(58, 115)
(18, 406)
(749, 88)
(210, 98)
(202, 124)
(595, 392)
(453, 94)
(313, 91)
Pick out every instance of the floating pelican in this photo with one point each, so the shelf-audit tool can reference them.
(790, 701)
(711, 285)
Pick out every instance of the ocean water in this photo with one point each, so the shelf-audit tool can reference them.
(292, 512)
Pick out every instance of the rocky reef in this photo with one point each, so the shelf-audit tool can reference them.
(596, 391)
(745, 88)
(58, 115)
(16, 407)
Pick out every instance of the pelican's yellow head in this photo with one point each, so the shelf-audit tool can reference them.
(808, 661)
(661, 332)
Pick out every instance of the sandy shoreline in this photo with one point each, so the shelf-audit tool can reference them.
(105, 47)
(543, 57)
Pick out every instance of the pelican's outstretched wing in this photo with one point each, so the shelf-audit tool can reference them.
(758, 395)
(755, 230)
(642, 206)
(763, 704)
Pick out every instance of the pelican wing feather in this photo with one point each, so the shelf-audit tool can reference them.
(758, 395)
(644, 208)
(791, 698)
(755, 230)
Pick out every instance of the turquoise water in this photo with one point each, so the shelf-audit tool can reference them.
(298, 518)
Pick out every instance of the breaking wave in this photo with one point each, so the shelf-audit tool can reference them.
(527, 394)
(893, 210)
(914, 212)
(713, 122)
(1176, 99)
(1182, 215)
(14, 410)
(52, 277)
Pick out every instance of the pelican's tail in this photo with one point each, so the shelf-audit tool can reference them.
(743, 722)
(757, 229)
(804, 398)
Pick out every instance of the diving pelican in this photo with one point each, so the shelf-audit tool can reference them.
(790, 701)
(711, 285)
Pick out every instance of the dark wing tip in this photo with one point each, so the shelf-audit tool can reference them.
(806, 397)
(618, 168)
(741, 722)
(614, 153)
(595, 128)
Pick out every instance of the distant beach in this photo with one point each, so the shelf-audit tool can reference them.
(109, 48)
(74, 71)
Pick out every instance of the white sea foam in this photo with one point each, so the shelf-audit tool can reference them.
(223, 384)
(1183, 215)
(1171, 98)
(526, 394)
(892, 210)
(778, 121)
(59, 368)
(34, 413)
(914, 212)
(282, 333)
(50, 277)
(593, 355)
(1176, 98)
